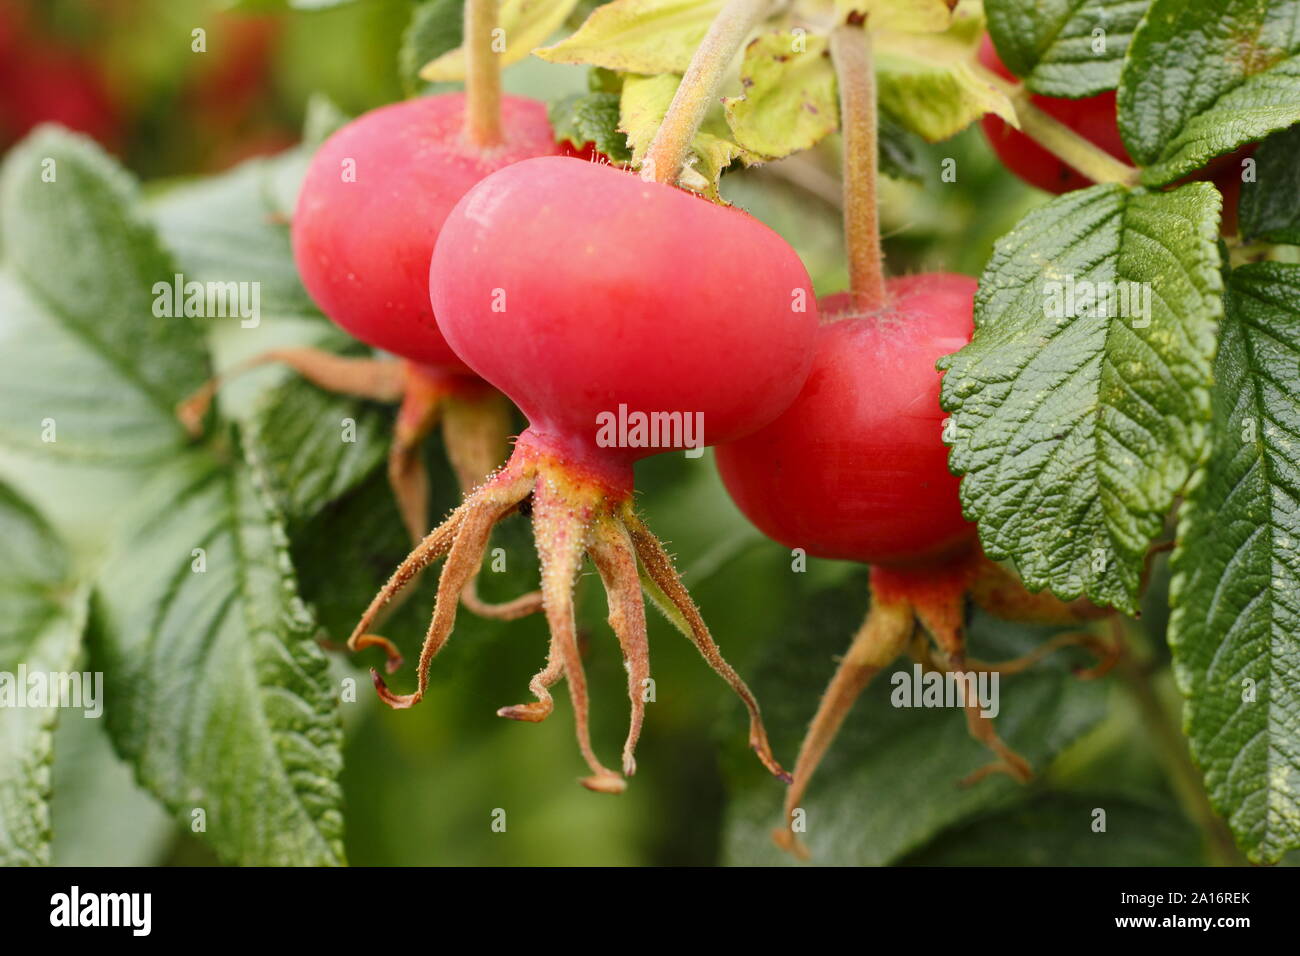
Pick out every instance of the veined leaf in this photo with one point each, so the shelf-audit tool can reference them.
(1057, 829)
(591, 118)
(1270, 206)
(1075, 431)
(78, 315)
(1067, 48)
(40, 632)
(1202, 79)
(225, 228)
(889, 783)
(316, 446)
(638, 36)
(221, 696)
(526, 24)
(926, 82)
(789, 100)
(1235, 629)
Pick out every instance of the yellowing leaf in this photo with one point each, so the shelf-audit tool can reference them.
(927, 83)
(526, 23)
(789, 99)
(642, 107)
(913, 16)
(638, 36)
(644, 102)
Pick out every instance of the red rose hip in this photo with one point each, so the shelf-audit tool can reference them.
(582, 291)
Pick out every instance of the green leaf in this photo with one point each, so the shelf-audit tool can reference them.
(1075, 433)
(436, 27)
(323, 119)
(344, 553)
(789, 100)
(1068, 48)
(898, 156)
(526, 24)
(227, 228)
(591, 118)
(221, 697)
(77, 310)
(316, 446)
(890, 782)
(1202, 79)
(1270, 205)
(1236, 587)
(1056, 829)
(40, 631)
(927, 83)
(91, 784)
(638, 36)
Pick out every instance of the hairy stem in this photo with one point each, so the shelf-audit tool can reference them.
(482, 74)
(1058, 139)
(671, 145)
(851, 54)
(879, 640)
(1171, 748)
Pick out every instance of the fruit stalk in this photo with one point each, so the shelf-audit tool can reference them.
(855, 72)
(1058, 139)
(482, 74)
(671, 145)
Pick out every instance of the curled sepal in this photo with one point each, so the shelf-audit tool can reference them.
(670, 590)
(576, 511)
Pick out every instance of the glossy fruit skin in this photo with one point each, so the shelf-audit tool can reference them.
(621, 292)
(363, 247)
(856, 469)
(1093, 118)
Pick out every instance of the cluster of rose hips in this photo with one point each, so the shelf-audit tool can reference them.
(496, 264)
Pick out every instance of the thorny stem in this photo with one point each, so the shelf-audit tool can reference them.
(1058, 139)
(482, 75)
(851, 54)
(1171, 748)
(668, 151)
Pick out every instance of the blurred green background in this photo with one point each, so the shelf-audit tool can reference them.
(422, 785)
